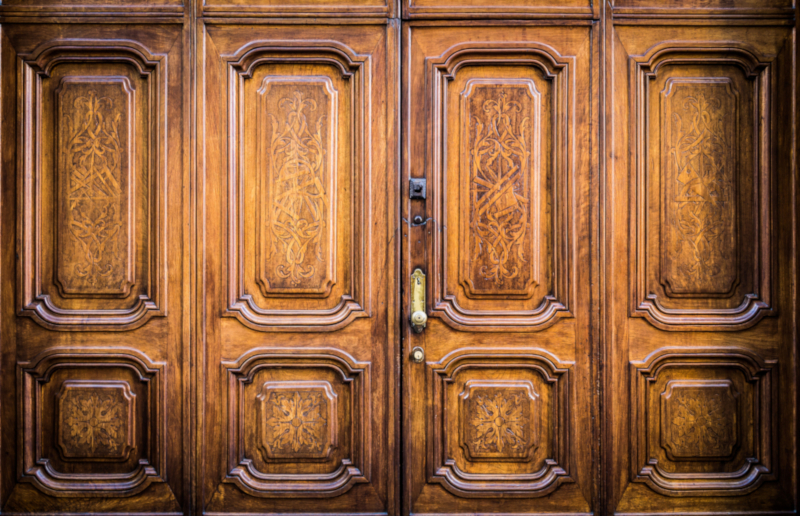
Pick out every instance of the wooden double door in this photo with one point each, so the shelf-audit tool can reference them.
(367, 257)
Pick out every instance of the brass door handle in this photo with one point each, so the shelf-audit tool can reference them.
(418, 316)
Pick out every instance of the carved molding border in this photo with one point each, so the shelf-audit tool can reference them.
(33, 68)
(34, 468)
(353, 470)
(754, 470)
(443, 469)
(357, 69)
(754, 306)
(557, 69)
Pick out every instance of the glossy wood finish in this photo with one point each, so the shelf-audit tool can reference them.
(499, 413)
(699, 231)
(95, 306)
(299, 325)
(207, 237)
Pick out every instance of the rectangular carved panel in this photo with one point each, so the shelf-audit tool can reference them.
(501, 157)
(92, 218)
(700, 209)
(503, 133)
(297, 230)
(699, 152)
(95, 188)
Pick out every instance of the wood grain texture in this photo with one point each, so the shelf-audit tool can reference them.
(701, 196)
(94, 209)
(299, 407)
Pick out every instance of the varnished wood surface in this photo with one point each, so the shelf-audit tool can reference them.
(206, 243)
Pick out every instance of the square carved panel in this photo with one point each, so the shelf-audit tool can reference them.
(93, 422)
(703, 421)
(701, 209)
(491, 407)
(92, 216)
(298, 188)
(299, 421)
(500, 156)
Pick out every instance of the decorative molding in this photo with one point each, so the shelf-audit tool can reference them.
(353, 468)
(82, 421)
(356, 69)
(554, 305)
(443, 468)
(684, 427)
(721, 277)
(142, 290)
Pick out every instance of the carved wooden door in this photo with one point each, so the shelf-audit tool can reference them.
(299, 322)
(95, 314)
(701, 314)
(502, 378)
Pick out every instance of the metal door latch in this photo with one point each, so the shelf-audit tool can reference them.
(418, 316)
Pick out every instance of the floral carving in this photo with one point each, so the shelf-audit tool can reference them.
(94, 149)
(298, 198)
(499, 422)
(93, 423)
(500, 211)
(296, 423)
(700, 168)
(702, 422)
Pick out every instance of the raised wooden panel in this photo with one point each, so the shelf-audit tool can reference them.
(702, 198)
(493, 436)
(93, 422)
(297, 228)
(299, 421)
(705, 9)
(95, 248)
(704, 420)
(502, 133)
(328, 8)
(481, 9)
(304, 153)
(91, 217)
(501, 157)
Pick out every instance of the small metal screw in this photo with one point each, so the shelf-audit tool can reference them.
(417, 220)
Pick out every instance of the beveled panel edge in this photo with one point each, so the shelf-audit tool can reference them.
(754, 307)
(557, 68)
(443, 471)
(762, 373)
(350, 472)
(353, 67)
(39, 472)
(31, 302)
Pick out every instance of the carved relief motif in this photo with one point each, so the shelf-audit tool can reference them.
(499, 123)
(296, 423)
(703, 421)
(700, 147)
(93, 128)
(298, 252)
(700, 419)
(499, 422)
(94, 420)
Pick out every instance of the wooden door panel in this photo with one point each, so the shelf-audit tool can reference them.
(499, 420)
(482, 9)
(701, 180)
(299, 405)
(91, 339)
(300, 8)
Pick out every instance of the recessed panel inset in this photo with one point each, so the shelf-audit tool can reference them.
(297, 226)
(95, 128)
(699, 244)
(502, 158)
